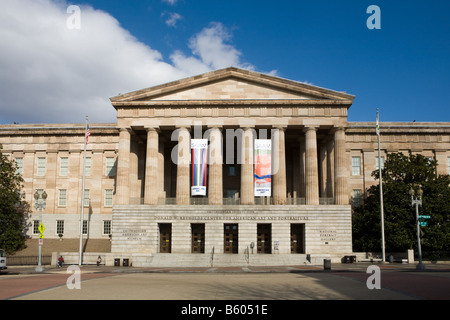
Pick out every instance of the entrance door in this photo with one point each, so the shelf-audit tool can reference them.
(264, 238)
(165, 237)
(230, 238)
(297, 238)
(198, 237)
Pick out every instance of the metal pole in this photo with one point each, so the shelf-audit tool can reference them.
(383, 250)
(80, 260)
(39, 267)
(420, 266)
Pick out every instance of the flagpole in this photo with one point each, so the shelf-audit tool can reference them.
(80, 260)
(381, 191)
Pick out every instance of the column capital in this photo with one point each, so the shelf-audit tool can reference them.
(215, 126)
(280, 127)
(182, 127)
(246, 126)
(310, 127)
(338, 128)
(152, 128)
(123, 129)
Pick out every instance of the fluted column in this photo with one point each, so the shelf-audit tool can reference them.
(183, 159)
(279, 165)
(311, 172)
(135, 192)
(302, 183)
(247, 172)
(123, 168)
(330, 167)
(322, 170)
(215, 192)
(340, 167)
(151, 191)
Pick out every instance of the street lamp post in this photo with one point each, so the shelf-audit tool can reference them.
(40, 204)
(418, 201)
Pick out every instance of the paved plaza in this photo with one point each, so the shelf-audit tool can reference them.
(342, 282)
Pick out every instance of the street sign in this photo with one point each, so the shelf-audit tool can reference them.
(423, 223)
(41, 236)
(424, 217)
(41, 242)
(41, 228)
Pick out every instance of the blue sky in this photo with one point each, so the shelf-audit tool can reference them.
(403, 68)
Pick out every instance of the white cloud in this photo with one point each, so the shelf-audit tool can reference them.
(171, 2)
(210, 46)
(173, 19)
(50, 73)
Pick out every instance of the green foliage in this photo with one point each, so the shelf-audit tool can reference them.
(13, 210)
(400, 174)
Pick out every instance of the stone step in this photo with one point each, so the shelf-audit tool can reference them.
(222, 260)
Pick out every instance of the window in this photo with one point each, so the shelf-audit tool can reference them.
(86, 198)
(59, 226)
(19, 165)
(85, 227)
(62, 197)
(107, 227)
(356, 166)
(108, 197)
(110, 167)
(41, 167)
(63, 167)
(87, 167)
(378, 163)
(357, 197)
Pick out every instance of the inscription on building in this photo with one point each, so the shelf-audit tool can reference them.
(327, 235)
(133, 234)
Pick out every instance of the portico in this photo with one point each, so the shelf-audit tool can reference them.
(160, 122)
(230, 109)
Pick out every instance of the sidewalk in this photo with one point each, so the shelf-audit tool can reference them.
(338, 267)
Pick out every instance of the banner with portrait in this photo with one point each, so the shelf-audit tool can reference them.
(263, 167)
(199, 150)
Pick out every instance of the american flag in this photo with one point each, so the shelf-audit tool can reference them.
(88, 133)
(377, 126)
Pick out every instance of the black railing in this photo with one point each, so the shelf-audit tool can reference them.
(233, 201)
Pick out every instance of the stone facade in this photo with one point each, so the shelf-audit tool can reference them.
(139, 170)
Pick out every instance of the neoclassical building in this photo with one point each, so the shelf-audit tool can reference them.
(225, 168)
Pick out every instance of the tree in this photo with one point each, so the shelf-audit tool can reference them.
(400, 174)
(13, 209)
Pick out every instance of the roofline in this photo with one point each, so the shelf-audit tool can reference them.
(231, 72)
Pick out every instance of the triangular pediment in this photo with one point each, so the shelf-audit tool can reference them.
(231, 84)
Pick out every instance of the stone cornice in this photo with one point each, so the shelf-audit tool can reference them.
(230, 103)
(235, 73)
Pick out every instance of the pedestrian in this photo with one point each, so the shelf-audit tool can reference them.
(60, 261)
(99, 260)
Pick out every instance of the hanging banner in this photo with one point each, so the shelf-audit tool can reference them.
(199, 161)
(263, 165)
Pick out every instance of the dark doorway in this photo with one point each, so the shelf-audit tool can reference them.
(230, 238)
(264, 238)
(297, 238)
(165, 237)
(198, 237)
